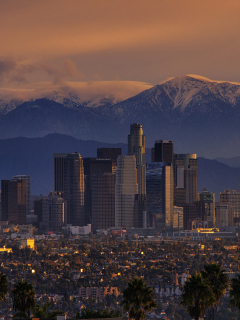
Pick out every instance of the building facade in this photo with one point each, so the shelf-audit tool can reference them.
(13, 195)
(126, 191)
(136, 147)
(103, 201)
(59, 165)
(163, 151)
(185, 178)
(74, 189)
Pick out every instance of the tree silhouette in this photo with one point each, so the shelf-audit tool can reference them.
(218, 281)
(234, 292)
(138, 298)
(3, 286)
(23, 296)
(197, 296)
(42, 311)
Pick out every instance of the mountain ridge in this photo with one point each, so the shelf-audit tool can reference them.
(199, 115)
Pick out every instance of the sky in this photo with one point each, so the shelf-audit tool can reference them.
(146, 41)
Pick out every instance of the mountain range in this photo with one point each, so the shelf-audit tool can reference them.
(199, 115)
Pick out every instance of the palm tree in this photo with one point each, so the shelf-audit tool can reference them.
(197, 296)
(138, 298)
(3, 286)
(234, 292)
(218, 281)
(23, 296)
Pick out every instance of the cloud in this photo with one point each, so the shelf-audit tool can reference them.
(82, 91)
(18, 71)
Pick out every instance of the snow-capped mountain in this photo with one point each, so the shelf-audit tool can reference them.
(198, 114)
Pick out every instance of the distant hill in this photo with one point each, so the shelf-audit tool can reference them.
(34, 157)
(231, 162)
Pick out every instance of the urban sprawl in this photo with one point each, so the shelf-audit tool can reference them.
(113, 218)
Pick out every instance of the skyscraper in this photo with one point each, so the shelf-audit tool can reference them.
(185, 178)
(163, 151)
(125, 191)
(167, 195)
(92, 166)
(207, 204)
(136, 147)
(109, 153)
(14, 201)
(28, 190)
(59, 163)
(154, 196)
(52, 212)
(232, 198)
(103, 200)
(74, 189)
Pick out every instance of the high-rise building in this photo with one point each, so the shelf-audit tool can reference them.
(28, 190)
(53, 210)
(224, 215)
(190, 213)
(14, 201)
(167, 195)
(136, 147)
(177, 218)
(103, 200)
(59, 163)
(74, 189)
(110, 153)
(232, 198)
(163, 151)
(207, 199)
(155, 216)
(92, 166)
(126, 190)
(185, 178)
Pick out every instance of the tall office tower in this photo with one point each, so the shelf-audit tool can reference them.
(136, 146)
(168, 196)
(74, 189)
(103, 200)
(232, 198)
(224, 215)
(207, 204)
(190, 213)
(126, 190)
(162, 151)
(177, 218)
(28, 190)
(92, 166)
(185, 178)
(59, 162)
(14, 201)
(110, 153)
(52, 213)
(155, 217)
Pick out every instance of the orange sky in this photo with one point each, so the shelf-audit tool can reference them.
(131, 40)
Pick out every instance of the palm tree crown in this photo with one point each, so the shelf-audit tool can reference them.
(23, 296)
(197, 296)
(217, 278)
(138, 298)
